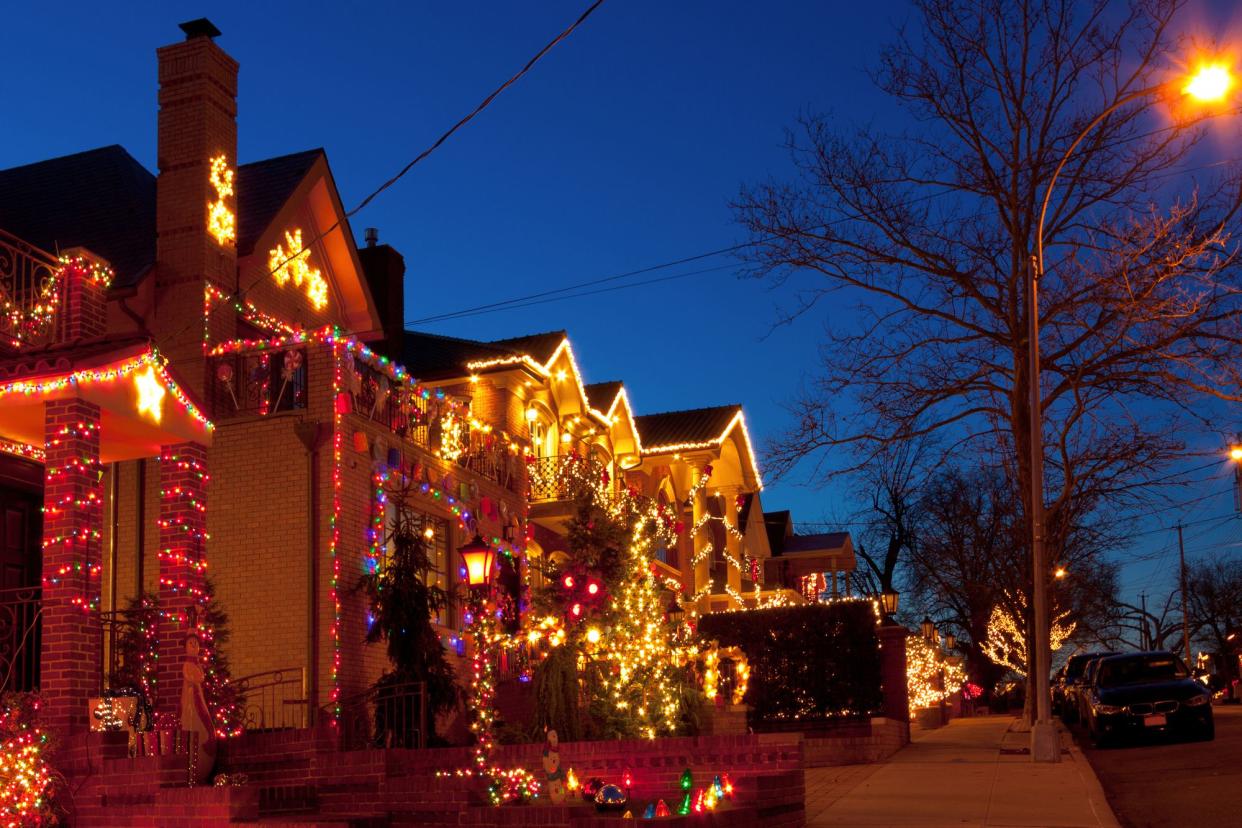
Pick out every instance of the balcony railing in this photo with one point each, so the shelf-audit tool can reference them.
(555, 478)
(258, 384)
(19, 639)
(377, 398)
(30, 293)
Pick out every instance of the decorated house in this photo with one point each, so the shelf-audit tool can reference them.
(206, 390)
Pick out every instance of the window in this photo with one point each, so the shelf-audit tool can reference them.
(434, 531)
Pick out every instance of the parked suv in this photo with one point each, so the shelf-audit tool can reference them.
(1149, 692)
(1065, 686)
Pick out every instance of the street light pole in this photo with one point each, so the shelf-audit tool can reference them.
(1045, 742)
(1211, 83)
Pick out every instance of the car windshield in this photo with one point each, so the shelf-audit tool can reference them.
(1117, 671)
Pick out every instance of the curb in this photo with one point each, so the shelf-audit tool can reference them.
(1095, 791)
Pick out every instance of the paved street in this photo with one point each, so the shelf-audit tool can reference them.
(1167, 784)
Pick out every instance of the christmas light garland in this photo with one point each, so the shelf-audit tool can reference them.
(25, 778)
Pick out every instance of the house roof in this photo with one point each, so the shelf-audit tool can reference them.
(601, 394)
(101, 199)
(689, 428)
(540, 346)
(778, 526)
(104, 200)
(432, 356)
(822, 542)
(262, 188)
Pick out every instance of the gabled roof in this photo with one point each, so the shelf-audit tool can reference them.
(540, 346)
(600, 395)
(778, 526)
(822, 542)
(692, 428)
(263, 187)
(101, 199)
(434, 356)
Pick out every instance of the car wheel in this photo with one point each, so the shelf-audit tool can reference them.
(1207, 731)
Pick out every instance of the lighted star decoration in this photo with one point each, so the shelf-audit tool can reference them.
(294, 266)
(221, 223)
(150, 394)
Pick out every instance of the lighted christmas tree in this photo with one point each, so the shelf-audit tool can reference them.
(605, 606)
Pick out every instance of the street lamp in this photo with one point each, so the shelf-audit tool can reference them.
(888, 602)
(1210, 83)
(928, 627)
(950, 641)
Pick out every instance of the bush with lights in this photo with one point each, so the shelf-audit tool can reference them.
(25, 777)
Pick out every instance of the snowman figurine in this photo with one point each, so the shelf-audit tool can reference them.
(553, 774)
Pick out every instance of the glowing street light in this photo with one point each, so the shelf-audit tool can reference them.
(1211, 82)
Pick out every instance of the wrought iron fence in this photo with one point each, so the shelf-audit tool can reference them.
(20, 639)
(259, 383)
(554, 478)
(272, 700)
(386, 716)
(30, 292)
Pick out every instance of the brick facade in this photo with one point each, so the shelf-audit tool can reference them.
(73, 499)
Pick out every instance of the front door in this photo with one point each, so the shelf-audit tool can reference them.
(21, 562)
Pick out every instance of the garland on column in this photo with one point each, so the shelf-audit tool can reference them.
(86, 539)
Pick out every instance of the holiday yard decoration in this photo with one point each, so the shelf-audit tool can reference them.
(25, 777)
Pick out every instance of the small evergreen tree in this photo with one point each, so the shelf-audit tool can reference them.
(135, 665)
(403, 601)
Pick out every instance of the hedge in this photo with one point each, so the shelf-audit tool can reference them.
(807, 662)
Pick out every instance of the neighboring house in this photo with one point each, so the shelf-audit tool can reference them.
(202, 376)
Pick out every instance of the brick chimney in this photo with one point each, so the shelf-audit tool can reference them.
(197, 122)
(384, 269)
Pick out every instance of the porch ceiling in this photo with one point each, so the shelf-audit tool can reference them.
(141, 406)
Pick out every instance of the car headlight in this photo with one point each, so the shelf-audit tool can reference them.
(1196, 701)
(1108, 709)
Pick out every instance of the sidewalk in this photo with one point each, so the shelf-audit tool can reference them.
(959, 776)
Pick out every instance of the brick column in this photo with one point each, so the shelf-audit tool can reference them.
(893, 673)
(73, 516)
(183, 563)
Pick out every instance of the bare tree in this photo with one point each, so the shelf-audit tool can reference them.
(1214, 604)
(1141, 628)
(930, 231)
(891, 486)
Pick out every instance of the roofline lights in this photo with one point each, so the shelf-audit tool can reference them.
(738, 418)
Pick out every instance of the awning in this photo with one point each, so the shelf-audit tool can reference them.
(142, 407)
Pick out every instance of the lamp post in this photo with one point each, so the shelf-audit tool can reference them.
(1211, 82)
(928, 628)
(478, 556)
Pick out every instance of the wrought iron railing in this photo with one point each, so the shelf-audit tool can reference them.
(397, 407)
(386, 716)
(30, 292)
(554, 478)
(20, 610)
(272, 700)
(496, 463)
(258, 383)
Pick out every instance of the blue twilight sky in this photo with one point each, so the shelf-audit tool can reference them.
(622, 149)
